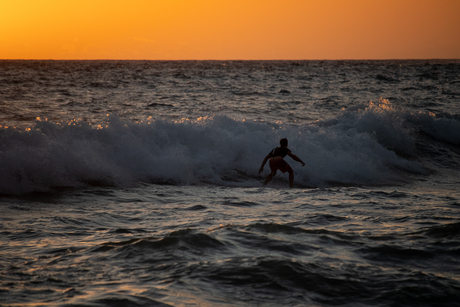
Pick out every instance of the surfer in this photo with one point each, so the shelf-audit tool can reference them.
(277, 162)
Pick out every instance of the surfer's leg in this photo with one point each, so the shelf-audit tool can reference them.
(269, 177)
(274, 165)
(291, 177)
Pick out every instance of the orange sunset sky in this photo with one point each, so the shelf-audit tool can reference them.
(229, 29)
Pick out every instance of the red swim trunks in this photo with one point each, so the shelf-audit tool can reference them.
(277, 163)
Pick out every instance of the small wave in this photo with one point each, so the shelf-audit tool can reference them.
(240, 203)
(185, 238)
(249, 93)
(444, 231)
(156, 104)
(385, 78)
(445, 129)
(292, 282)
(276, 228)
(127, 231)
(196, 208)
(432, 76)
(117, 298)
(398, 253)
(324, 235)
(105, 85)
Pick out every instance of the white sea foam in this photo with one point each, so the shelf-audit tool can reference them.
(358, 147)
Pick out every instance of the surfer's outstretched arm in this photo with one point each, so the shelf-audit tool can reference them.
(293, 156)
(263, 163)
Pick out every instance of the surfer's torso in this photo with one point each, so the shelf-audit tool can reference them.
(279, 152)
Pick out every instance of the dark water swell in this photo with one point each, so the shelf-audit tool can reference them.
(331, 252)
(278, 274)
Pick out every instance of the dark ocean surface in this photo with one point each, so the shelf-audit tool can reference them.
(135, 183)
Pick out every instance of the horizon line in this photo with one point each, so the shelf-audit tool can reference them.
(198, 60)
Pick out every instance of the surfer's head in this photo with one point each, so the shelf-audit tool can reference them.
(284, 142)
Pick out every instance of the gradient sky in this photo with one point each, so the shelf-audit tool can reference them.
(229, 29)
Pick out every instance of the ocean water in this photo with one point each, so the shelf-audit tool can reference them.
(135, 183)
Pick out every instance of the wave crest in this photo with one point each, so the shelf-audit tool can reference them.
(371, 145)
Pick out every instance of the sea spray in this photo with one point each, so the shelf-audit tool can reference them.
(350, 149)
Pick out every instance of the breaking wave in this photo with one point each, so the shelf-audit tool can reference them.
(372, 145)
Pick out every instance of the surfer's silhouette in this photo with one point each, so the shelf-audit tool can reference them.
(276, 162)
